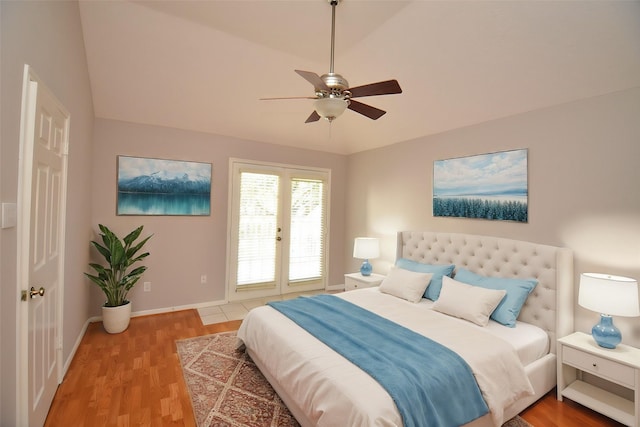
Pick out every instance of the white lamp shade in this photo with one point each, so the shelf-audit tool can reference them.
(612, 295)
(366, 248)
(330, 108)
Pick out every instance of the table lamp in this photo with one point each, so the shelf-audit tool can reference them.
(608, 295)
(366, 248)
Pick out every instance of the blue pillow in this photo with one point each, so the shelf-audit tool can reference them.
(433, 290)
(517, 292)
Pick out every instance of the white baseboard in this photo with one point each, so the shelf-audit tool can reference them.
(67, 362)
(335, 287)
(166, 309)
(177, 308)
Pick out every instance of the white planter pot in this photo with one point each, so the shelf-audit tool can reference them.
(116, 319)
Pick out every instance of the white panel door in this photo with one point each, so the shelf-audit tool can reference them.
(44, 200)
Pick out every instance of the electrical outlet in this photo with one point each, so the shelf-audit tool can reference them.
(147, 286)
(203, 279)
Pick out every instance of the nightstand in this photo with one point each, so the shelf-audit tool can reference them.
(578, 353)
(356, 281)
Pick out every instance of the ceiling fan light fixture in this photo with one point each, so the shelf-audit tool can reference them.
(330, 108)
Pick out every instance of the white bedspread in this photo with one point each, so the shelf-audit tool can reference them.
(530, 342)
(332, 391)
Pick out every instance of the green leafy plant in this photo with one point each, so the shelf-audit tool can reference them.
(113, 279)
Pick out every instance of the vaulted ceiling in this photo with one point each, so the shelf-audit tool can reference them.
(203, 65)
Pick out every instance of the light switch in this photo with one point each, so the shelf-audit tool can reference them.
(9, 215)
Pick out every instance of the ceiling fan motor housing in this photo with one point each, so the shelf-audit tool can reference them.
(335, 82)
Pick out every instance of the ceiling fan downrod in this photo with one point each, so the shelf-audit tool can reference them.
(338, 85)
(333, 4)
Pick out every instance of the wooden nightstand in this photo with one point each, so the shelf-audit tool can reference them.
(356, 281)
(578, 353)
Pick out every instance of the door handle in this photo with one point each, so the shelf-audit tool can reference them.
(32, 293)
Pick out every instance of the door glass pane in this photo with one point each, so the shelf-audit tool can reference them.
(258, 224)
(306, 250)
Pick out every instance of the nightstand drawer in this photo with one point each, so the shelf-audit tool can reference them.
(622, 374)
(354, 284)
(356, 281)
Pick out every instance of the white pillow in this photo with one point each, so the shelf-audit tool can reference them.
(468, 302)
(405, 284)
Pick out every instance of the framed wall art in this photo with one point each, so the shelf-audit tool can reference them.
(163, 187)
(489, 186)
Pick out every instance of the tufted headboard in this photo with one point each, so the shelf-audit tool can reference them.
(549, 306)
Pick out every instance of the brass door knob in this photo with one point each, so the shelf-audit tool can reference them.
(34, 293)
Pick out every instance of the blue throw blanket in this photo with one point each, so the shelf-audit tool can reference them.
(430, 384)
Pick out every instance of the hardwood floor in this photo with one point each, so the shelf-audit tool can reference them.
(550, 412)
(134, 379)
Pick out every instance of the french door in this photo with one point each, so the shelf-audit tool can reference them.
(278, 230)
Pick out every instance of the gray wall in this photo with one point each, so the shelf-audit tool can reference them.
(47, 36)
(183, 248)
(583, 179)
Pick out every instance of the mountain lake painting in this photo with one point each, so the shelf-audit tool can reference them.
(163, 187)
(488, 186)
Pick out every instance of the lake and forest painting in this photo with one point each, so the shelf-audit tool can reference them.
(163, 187)
(488, 186)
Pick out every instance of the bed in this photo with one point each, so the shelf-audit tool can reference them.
(322, 388)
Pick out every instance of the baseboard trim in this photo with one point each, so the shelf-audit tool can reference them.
(72, 354)
(167, 309)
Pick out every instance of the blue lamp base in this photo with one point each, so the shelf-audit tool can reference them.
(366, 268)
(605, 333)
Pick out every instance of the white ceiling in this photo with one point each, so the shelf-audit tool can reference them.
(202, 65)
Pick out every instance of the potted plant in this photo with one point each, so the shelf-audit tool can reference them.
(114, 279)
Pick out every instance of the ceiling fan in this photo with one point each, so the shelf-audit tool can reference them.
(333, 94)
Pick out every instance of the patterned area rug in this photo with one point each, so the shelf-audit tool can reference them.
(227, 389)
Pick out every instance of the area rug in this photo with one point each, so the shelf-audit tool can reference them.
(228, 390)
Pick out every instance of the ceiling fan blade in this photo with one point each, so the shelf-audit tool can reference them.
(366, 110)
(388, 87)
(314, 79)
(314, 117)
(288, 97)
